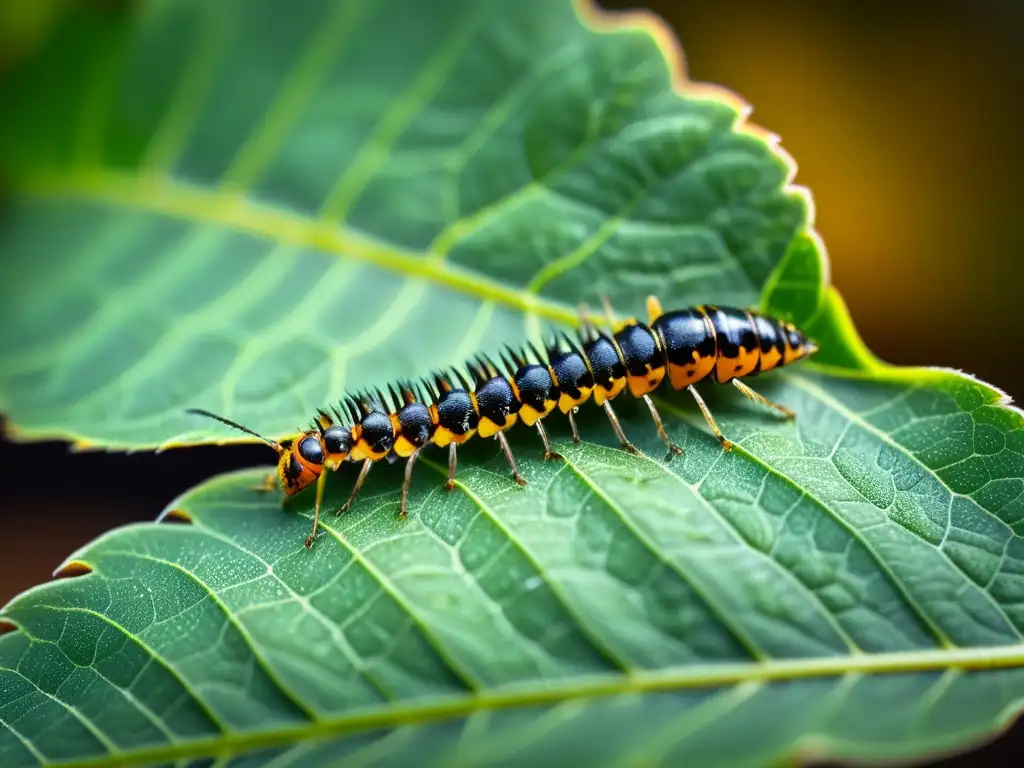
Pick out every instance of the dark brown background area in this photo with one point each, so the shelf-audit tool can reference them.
(904, 119)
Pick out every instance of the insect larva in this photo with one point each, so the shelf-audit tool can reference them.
(447, 408)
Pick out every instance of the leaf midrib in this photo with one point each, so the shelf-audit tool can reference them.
(680, 677)
(178, 199)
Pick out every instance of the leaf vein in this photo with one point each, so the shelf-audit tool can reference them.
(676, 678)
(182, 200)
(336, 631)
(153, 654)
(919, 612)
(194, 86)
(744, 640)
(394, 121)
(231, 620)
(327, 45)
(601, 648)
(457, 669)
(89, 725)
(25, 742)
(823, 397)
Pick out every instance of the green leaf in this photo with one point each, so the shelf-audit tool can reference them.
(253, 211)
(865, 560)
(255, 215)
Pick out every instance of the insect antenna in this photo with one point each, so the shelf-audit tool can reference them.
(272, 443)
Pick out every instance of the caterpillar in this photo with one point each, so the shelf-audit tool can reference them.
(446, 408)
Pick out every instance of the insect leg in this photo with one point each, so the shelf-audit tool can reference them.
(408, 480)
(626, 445)
(548, 453)
(757, 397)
(726, 443)
(363, 472)
(268, 484)
(672, 447)
(320, 483)
(451, 467)
(511, 459)
(575, 430)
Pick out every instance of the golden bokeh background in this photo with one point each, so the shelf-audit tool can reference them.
(904, 119)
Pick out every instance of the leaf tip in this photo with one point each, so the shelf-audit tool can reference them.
(175, 515)
(999, 397)
(72, 569)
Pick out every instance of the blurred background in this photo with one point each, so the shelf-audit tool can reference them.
(904, 118)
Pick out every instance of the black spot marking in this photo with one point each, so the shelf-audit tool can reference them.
(733, 329)
(639, 349)
(767, 333)
(495, 400)
(682, 333)
(293, 471)
(377, 431)
(414, 420)
(572, 373)
(534, 384)
(604, 361)
(455, 412)
(338, 440)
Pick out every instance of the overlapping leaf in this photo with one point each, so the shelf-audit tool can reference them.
(255, 214)
(253, 211)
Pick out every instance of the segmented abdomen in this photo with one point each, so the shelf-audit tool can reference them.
(685, 346)
(729, 343)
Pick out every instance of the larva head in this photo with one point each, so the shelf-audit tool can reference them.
(797, 346)
(301, 464)
(298, 466)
